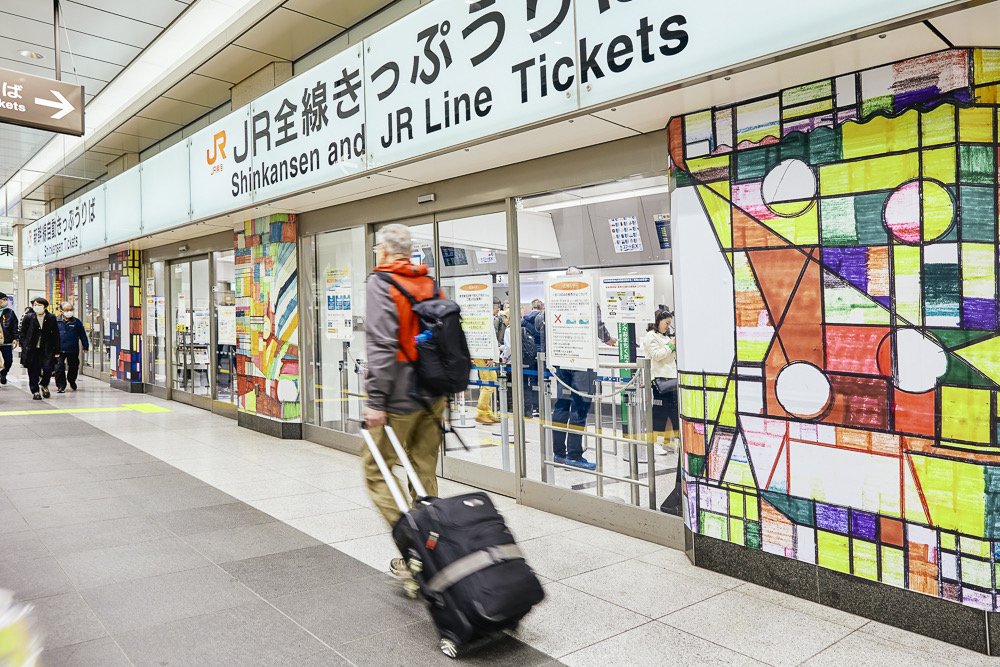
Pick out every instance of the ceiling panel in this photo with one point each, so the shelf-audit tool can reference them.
(156, 12)
(146, 128)
(971, 27)
(234, 63)
(288, 35)
(344, 13)
(173, 111)
(202, 90)
(109, 25)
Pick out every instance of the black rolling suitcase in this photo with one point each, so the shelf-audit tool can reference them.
(463, 559)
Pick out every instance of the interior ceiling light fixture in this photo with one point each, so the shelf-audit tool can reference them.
(34, 55)
(599, 199)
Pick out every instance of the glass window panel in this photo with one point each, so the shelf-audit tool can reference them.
(224, 296)
(201, 327)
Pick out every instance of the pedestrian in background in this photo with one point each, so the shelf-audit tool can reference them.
(8, 336)
(39, 346)
(71, 335)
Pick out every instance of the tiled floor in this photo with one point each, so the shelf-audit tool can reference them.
(177, 538)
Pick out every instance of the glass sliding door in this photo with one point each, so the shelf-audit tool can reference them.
(224, 317)
(90, 315)
(155, 326)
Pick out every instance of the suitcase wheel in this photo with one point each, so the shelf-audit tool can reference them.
(412, 589)
(449, 648)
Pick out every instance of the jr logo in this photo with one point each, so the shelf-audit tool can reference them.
(218, 148)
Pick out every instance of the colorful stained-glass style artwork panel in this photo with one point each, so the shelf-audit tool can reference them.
(125, 339)
(267, 324)
(858, 426)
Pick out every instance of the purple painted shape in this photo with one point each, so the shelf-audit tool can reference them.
(844, 116)
(850, 264)
(906, 98)
(806, 125)
(979, 313)
(884, 300)
(863, 525)
(974, 598)
(831, 518)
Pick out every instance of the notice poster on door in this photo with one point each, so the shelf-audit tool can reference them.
(625, 233)
(201, 326)
(475, 297)
(339, 310)
(628, 299)
(227, 324)
(571, 322)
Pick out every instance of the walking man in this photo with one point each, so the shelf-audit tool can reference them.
(8, 336)
(39, 346)
(71, 335)
(392, 327)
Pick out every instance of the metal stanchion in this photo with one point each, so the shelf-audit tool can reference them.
(344, 379)
(599, 440)
(633, 448)
(461, 415)
(647, 394)
(505, 436)
(544, 412)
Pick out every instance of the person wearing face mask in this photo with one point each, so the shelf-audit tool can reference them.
(8, 336)
(71, 335)
(39, 346)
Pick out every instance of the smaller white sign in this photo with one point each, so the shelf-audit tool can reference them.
(201, 327)
(227, 325)
(475, 297)
(625, 234)
(486, 257)
(571, 322)
(628, 298)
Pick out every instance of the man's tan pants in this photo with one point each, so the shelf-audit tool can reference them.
(420, 435)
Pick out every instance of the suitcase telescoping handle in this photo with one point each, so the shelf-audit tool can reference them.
(390, 479)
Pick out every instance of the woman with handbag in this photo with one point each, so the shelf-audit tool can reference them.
(661, 349)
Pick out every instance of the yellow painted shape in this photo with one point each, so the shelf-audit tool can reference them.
(736, 531)
(807, 109)
(881, 173)
(802, 229)
(972, 546)
(986, 65)
(691, 379)
(987, 94)
(892, 567)
(716, 381)
(978, 275)
(865, 556)
(955, 492)
(722, 188)
(739, 474)
(720, 213)
(965, 413)
(736, 504)
(692, 403)
(939, 164)
(703, 163)
(727, 414)
(938, 126)
(985, 356)
(939, 210)
(834, 552)
(976, 124)
(880, 135)
(948, 541)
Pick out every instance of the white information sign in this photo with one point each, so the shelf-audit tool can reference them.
(628, 299)
(227, 324)
(339, 310)
(202, 331)
(486, 257)
(571, 322)
(625, 234)
(475, 297)
(69, 230)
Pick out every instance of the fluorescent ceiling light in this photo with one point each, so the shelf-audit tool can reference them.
(598, 199)
(34, 55)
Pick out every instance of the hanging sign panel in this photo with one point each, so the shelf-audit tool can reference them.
(38, 102)
(456, 71)
(69, 230)
(571, 322)
(475, 297)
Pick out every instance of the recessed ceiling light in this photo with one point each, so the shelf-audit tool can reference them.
(34, 55)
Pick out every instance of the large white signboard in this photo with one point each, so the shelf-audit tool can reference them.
(339, 309)
(449, 73)
(475, 297)
(628, 299)
(571, 322)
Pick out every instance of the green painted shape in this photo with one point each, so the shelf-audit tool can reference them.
(991, 475)
(696, 464)
(807, 92)
(683, 178)
(753, 535)
(800, 511)
(839, 227)
(821, 146)
(978, 213)
(961, 374)
(942, 290)
(953, 338)
(884, 103)
(868, 218)
(975, 164)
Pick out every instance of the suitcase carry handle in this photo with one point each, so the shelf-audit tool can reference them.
(390, 479)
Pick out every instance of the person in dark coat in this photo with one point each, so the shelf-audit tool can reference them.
(8, 336)
(71, 335)
(40, 346)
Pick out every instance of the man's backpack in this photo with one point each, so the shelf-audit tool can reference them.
(443, 360)
(529, 351)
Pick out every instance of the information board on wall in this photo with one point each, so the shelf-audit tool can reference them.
(475, 297)
(227, 325)
(628, 299)
(625, 234)
(662, 230)
(450, 73)
(339, 310)
(571, 322)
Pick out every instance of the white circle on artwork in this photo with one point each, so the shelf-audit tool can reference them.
(919, 361)
(802, 389)
(288, 391)
(789, 187)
